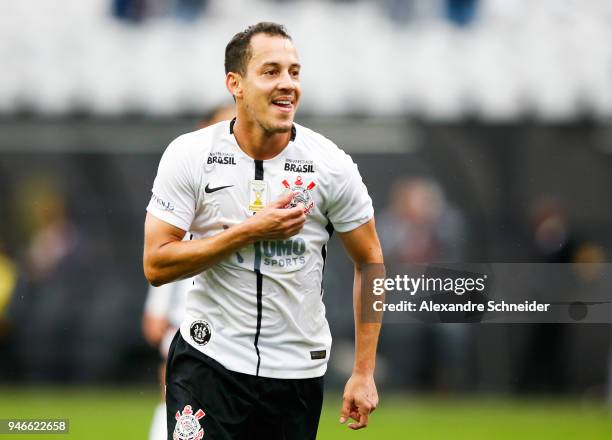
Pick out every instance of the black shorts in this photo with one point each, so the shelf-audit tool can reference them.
(205, 400)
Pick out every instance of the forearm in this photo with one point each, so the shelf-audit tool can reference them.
(181, 259)
(168, 258)
(366, 333)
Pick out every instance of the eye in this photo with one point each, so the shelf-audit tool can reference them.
(295, 73)
(270, 72)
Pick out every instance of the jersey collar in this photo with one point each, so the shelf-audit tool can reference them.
(293, 130)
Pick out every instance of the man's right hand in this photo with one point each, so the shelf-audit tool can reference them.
(166, 258)
(277, 222)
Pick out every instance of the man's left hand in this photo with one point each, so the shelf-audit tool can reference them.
(359, 400)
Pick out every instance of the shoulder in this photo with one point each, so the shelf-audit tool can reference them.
(324, 151)
(195, 144)
(185, 156)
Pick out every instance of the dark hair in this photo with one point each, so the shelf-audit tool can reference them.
(238, 50)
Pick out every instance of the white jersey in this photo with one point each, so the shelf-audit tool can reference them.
(260, 311)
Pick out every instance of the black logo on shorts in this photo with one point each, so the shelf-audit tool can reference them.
(200, 332)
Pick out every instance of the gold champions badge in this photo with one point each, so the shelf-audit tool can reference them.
(258, 195)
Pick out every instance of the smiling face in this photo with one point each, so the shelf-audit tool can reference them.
(268, 93)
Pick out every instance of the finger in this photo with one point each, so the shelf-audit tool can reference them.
(294, 218)
(356, 426)
(282, 201)
(287, 230)
(354, 415)
(294, 229)
(297, 222)
(362, 423)
(292, 233)
(345, 411)
(374, 406)
(298, 211)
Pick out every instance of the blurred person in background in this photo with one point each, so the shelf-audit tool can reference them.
(407, 12)
(47, 308)
(137, 11)
(165, 306)
(421, 227)
(250, 358)
(133, 11)
(543, 366)
(553, 238)
(8, 280)
(461, 12)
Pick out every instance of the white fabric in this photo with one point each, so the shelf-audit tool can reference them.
(293, 320)
(168, 301)
(159, 429)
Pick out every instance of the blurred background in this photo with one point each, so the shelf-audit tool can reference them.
(482, 128)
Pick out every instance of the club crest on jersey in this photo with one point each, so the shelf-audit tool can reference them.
(200, 332)
(188, 424)
(301, 194)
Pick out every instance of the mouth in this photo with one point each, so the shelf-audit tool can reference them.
(283, 104)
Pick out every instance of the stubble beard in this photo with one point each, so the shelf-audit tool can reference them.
(272, 129)
(269, 127)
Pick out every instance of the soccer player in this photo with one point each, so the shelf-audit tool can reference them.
(261, 196)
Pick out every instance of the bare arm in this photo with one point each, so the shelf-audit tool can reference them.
(360, 394)
(167, 258)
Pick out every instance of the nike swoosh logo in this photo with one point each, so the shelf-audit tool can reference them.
(209, 190)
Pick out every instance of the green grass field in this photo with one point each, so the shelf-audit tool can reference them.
(125, 414)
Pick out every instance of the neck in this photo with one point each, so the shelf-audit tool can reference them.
(256, 142)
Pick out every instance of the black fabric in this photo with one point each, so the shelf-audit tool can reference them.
(259, 175)
(293, 133)
(329, 227)
(239, 406)
(259, 170)
(259, 277)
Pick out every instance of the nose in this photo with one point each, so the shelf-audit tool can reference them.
(286, 81)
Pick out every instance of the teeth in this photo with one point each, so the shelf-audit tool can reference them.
(283, 102)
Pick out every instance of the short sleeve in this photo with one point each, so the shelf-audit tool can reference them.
(174, 194)
(158, 300)
(350, 205)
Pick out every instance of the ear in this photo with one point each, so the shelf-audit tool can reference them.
(233, 82)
